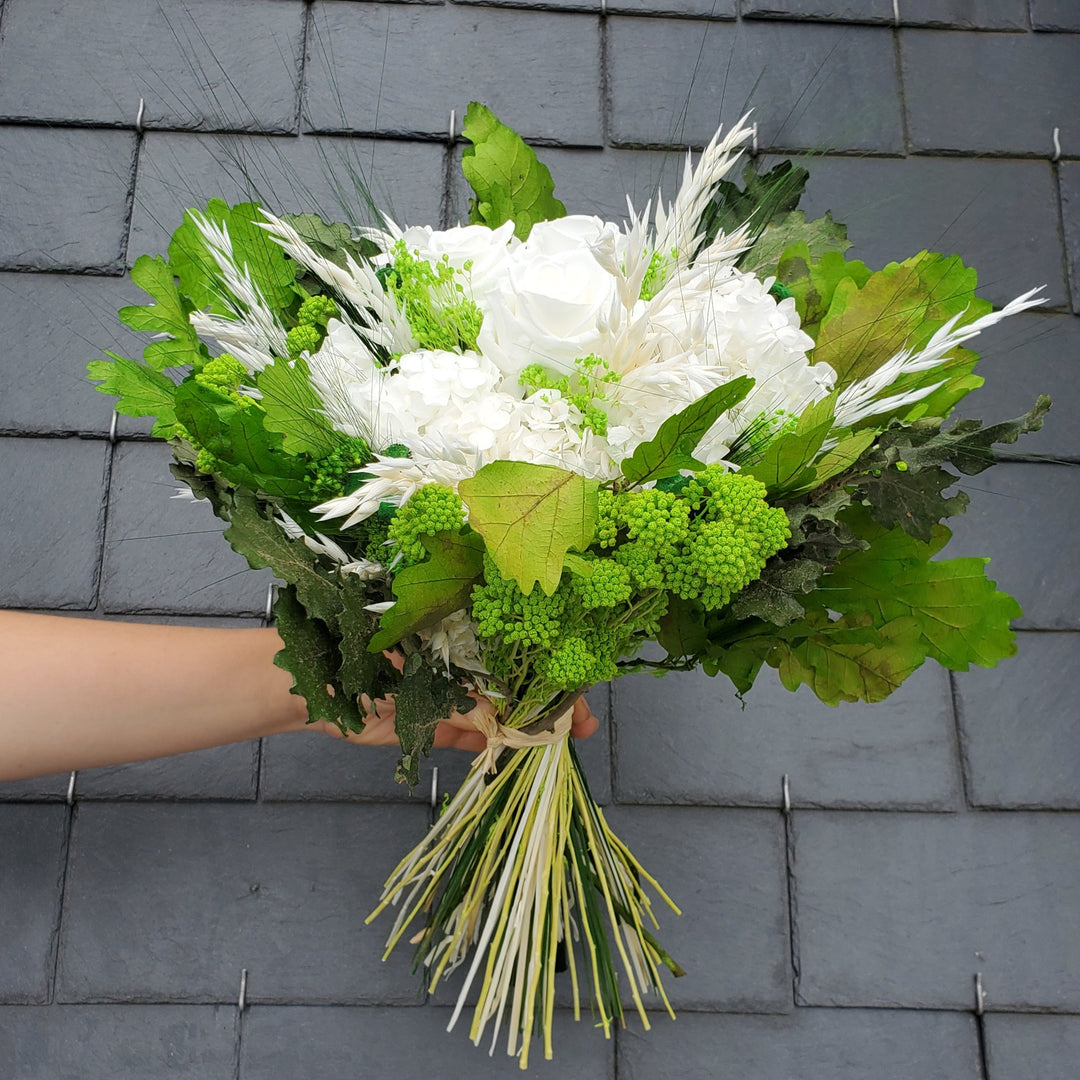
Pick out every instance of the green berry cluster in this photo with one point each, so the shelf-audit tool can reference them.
(502, 610)
(583, 389)
(433, 509)
(336, 473)
(606, 587)
(315, 312)
(432, 295)
(225, 374)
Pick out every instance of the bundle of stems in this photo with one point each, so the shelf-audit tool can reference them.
(522, 873)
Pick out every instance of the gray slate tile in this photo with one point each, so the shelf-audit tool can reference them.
(725, 869)
(31, 875)
(408, 1044)
(66, 194)
(1021, 358)
(231, 64)
(808, 1044)
(685, 739)
(971, 71)
(1070, 211)
(167, 555)
(1022, 516)
(222, 772)
(1054, 15)
(999, 216)
(118, 1042)
(901, 910)
(1032, 1047)
(792, 75)
(362, 73)
(700, 9)
(317, 174)
(52, 539)
(845, 11)
(36, 789)
(1020, 726)
(168, 903)
(966, 14)
(60, 322)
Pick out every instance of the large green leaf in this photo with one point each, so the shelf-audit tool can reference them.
(141, 390)
(293, 409)
(361, 671)
(785, 465)
(818, 238)
(773, 596)
(813, 279)
(529, 517)
(168, 316)
(672, 448)
(431, 590)
(509, 182)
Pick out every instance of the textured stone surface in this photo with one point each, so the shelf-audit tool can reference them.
(901, 910)
(725, 870)
(35, 789)
(44, 380)
(1021, 516)
(966, 72)
(168, 903)
(362, 75)
(118, 1042)
(1032, 1047)
(1020, 726)
(66, 195)
(412, 1044)
(318, 174)
(999, 216)
(1054, 15)
(166, 555)
(966, 14)
(231, 64)
(809, 1044)
(31, 872)
(849, 11)
(1070, 211)
(791, 75)
(685, 739)
(50, 535)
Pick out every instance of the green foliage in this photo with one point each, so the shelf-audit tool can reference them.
(361, 671)
(509, 182)
(529, 517)
(336, 473)
(813, 280)
(817, 238)
(534, 619)
(433, 509)
(682, 628)
(141, 390)
(785, 465)
(607, 586)
(423, 698)
(167, 316)
(431, 590)
(293, 409)
(331, 241)
(671, 449)
(772, 597)
(252, 247)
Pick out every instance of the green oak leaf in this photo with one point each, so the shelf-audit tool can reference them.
(819, 238)
(310, 654)
(141, 390)
(331, 240)
(740, 661)
(361, 671)
(682, 628)
(772, 597)
(813, 279)
(672, 448)
(913, 499)
(431, 590)
(294, 410)
(424, 697)
(785, 463)
(530, 516)
(509, 181)
(848, 659)
(168, 316)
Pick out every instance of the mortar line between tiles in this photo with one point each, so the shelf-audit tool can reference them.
(792, 905)
(980, 1035)
(1072, 288)
(958, 742)
(898, 59)
(238, 1041)
(301, 85)
(58, 931)
(99, 569)
(605, 83)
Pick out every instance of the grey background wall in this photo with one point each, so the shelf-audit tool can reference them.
(928, 839)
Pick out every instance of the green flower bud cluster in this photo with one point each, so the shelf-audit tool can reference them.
(225, 374)
(336, 474)
(607, 586)
(502, 610)
(439, 313)
(583, 389)
(310, 329)
(657, 273)
(433, 509)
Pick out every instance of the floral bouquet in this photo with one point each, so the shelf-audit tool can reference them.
(501, 459)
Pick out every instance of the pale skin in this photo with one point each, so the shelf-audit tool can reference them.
(77, 693)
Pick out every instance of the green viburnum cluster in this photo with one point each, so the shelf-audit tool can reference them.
(432, 510)
(336, 474)
(433, 298)
(583, 389)
(310, 329)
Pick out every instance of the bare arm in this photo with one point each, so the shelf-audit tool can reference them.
(76, 693)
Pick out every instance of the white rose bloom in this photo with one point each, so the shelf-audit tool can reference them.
(486, 250)
(576, 232)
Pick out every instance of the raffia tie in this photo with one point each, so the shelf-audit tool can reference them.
(499, 735)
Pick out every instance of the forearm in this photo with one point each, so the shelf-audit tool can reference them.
(75, 693)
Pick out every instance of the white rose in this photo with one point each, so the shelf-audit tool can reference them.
(486, 250)
(571, 234)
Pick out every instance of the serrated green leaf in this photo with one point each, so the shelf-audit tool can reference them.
(818, 238)
(433, 589)
(293, 409)
(914, 499)
(772, 597)
(311, 656)
(812, 280)
(578, 566)
(509, 182)
(672, 448)
(842, 456)
(424, 697)
(682, 628)
(530, 516)
(141, 390)
(785, 463)
(168, 315)
(331, 240)
(361, 671)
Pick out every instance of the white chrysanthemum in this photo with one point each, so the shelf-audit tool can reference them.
(454, 640)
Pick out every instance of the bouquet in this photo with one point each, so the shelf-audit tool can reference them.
(522, 456)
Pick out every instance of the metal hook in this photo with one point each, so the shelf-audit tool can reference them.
(786, 789)
(896, 12)
(434, 787)
(980, 996)
(271, 596)
(603, 8)
(71, 789)
(140, 114)
(1057, 145)
(112, 427)
(241, 1001)
(753, 140)
(453, 124)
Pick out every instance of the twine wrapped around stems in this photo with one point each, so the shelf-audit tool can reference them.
(543, 732)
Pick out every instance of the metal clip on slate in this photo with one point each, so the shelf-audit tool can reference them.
(980, 995)
(785, 787)
(1057, 144)
(112, 427)
(753, 140)
(241, 1001)
(71, 789)
(451, 134)
(271, 596)
(896, 12)
(139, 115)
